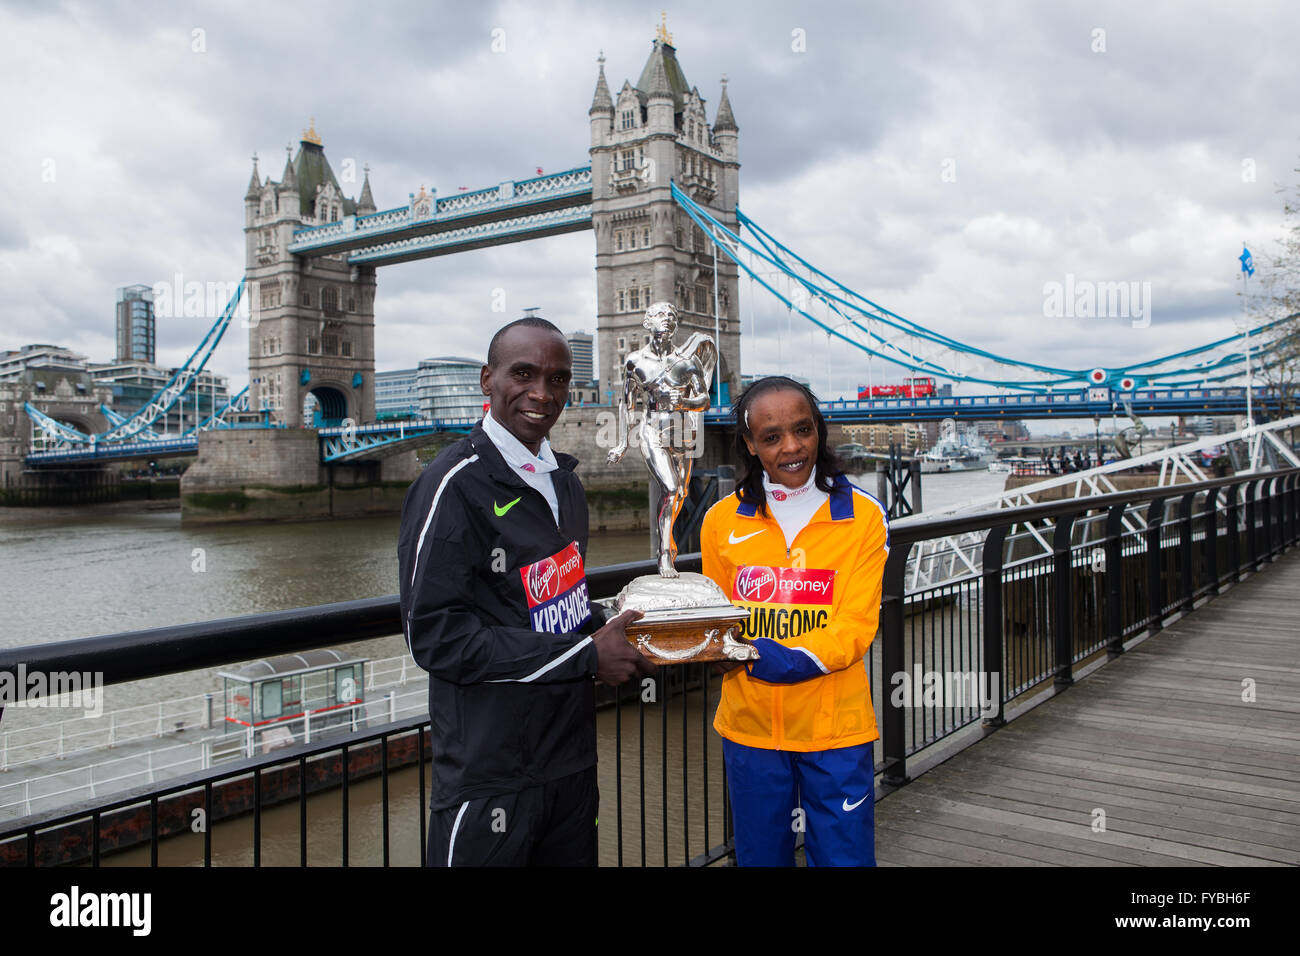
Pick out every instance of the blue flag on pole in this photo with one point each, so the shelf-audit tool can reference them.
(1247, 263)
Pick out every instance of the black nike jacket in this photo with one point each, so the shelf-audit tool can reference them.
(512, 706)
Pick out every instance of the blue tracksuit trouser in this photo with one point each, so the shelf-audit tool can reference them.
(828, 795)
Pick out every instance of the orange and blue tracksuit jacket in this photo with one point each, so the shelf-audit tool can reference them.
(814, 609)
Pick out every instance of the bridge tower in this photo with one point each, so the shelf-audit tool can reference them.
(313, 325)
(647, 249)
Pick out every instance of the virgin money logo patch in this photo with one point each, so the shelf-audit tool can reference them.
(543, 580)
(783, 602)
(556, 591)
(755, 583)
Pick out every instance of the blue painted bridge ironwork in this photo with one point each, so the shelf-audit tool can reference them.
(370, 441)
(427, 226)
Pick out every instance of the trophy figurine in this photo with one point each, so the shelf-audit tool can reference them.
(686, 617)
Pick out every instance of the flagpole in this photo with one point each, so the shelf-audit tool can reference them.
(1245, 327)
(1245, 324)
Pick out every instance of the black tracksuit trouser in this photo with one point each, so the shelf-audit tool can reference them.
(549, 825)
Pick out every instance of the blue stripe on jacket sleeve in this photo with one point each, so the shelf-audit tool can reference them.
(778, 664)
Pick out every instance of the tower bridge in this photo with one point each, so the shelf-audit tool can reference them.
(312, 253)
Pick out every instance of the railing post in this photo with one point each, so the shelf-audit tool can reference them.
(1266, 519)
(1114, 572)
(1284, 502)
(1295, 507)
(994, 624)
(1252, 544)
(207, 711)
(1234, 535)
(1277, 514)
(1185, 554)
(1210, 550)
(392, 706)
(1293, 480)
(306, 727)
(893, 735)
(1063, 592)
(1155, 582)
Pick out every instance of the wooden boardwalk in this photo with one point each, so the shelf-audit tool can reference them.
(1159, 740)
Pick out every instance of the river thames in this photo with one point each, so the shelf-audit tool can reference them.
(77, 575)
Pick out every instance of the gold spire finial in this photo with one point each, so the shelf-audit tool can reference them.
(310, 135)
(662, 33)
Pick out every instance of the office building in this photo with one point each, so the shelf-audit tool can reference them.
(135, 324)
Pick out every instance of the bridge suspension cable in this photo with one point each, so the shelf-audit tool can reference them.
(849, 317)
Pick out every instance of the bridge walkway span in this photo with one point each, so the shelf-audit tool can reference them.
(1159, 739)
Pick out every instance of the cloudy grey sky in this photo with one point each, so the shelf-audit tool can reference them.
(945, 159)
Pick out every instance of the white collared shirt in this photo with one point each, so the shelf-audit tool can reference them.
(793, 508)
(534, 469)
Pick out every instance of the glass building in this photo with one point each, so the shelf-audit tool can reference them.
(448, 388)
(397, 395)
(135, 324)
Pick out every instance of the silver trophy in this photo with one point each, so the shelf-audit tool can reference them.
(686, 617)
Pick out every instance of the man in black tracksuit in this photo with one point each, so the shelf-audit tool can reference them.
(495, 607)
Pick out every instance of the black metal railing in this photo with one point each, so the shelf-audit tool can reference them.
(1118, 566)
(1144, 556)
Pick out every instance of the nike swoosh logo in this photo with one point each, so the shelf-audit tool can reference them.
(734, 540)
(502, 511)
(850, 807)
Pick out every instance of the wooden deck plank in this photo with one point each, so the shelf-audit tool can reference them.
(1216, 835)
(1073, 793)
(1278, 809)
(1188, 774)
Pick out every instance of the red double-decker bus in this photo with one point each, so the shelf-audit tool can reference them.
(913, 387)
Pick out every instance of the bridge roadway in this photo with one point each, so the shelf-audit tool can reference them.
(368, 441)
(1159, 739)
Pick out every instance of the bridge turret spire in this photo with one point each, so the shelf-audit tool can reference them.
(366, 204)
(288, 179)
(255, 183)
(660, 98)
(602, 101)
(724, 121)
(657, 77)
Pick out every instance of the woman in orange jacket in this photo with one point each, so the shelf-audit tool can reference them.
(805, 551)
